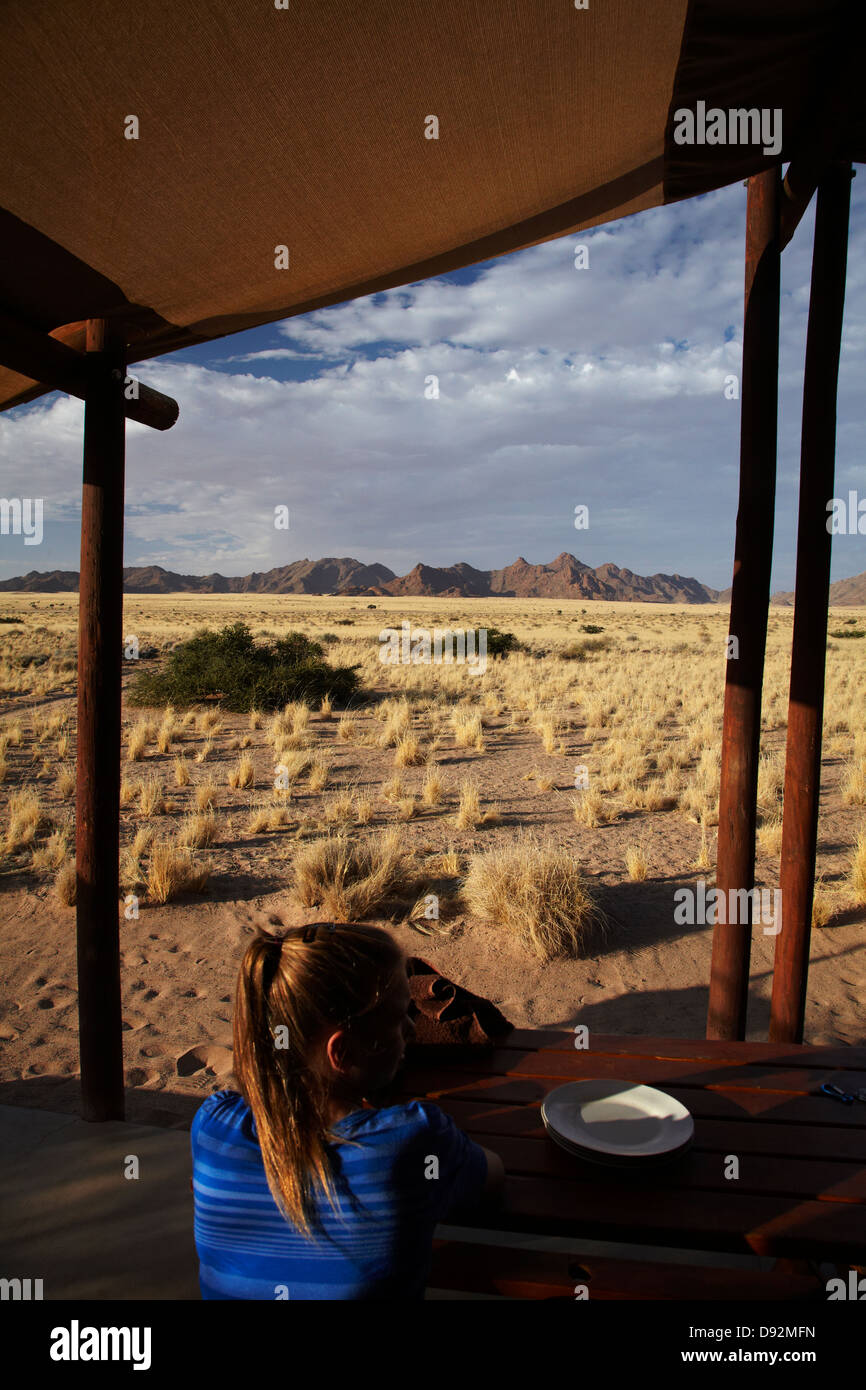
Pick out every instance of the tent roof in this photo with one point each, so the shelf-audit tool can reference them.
(305, 127)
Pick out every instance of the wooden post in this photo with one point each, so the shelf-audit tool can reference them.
(750, 598)
(46, 359)
(100, 634)
(806, 703)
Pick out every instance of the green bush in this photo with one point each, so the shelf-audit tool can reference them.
(591, 627)
(501, 643)
(244, 674)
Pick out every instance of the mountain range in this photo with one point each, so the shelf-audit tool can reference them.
(566, 577)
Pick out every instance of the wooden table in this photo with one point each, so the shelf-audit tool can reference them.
(801, 1190)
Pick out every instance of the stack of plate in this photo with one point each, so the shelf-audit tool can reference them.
(617, 1123)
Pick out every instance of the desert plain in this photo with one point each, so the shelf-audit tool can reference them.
(462, 810)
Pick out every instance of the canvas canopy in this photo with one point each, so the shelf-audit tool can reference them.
(308, 127)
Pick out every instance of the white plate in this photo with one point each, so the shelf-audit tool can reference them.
(632, 1163)
(618, 1118)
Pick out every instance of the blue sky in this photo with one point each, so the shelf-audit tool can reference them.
(558, 387)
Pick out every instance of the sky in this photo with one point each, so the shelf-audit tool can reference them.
(558, 387)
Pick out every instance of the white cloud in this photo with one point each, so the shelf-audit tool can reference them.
(557, 386)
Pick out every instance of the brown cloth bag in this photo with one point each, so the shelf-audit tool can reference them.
(445, 1013)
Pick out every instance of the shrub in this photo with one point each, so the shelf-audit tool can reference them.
(538, 892)
(350, 880)
(173, 871)
(501, 643)
(244, 675)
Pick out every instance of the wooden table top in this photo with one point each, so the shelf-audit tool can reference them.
(801, 1189)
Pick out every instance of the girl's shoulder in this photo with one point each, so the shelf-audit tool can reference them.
(409, 1119)
(224, 1109)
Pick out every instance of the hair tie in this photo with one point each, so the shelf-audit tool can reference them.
(311, 932)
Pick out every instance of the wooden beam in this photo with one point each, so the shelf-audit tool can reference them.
(814, 541)
(798, 188)
(97, 806)
(47, 360)
(750, 599)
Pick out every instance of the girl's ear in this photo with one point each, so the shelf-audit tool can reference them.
(336, 1050)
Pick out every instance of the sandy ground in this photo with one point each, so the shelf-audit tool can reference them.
(179, 961)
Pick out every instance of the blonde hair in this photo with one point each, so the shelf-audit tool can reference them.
(311, 979)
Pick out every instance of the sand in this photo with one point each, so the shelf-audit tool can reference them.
(179, 960)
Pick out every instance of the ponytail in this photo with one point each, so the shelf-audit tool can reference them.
(301, 985)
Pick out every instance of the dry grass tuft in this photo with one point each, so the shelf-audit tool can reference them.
(66, 781)
(468, 730)
(151, 801)
(469, 815)
(409, 752)
(352, 880)
(167, 731)
(292, 765)
(340, 809)
(319, 774)
(137, 741)
(268, 817)
(243, 773)
(636, 863)
(822, 905)
(65, 883)
(857, 872)
(450, 863)
(205, 796)
(591, 808)
(393, 789)
(172, 871)
(198, 830)
(854, 785)
(25, 818)
(52, 854)
(398, 719)
(433, 790)
(537, 891)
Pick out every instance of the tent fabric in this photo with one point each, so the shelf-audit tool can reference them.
(304, 127)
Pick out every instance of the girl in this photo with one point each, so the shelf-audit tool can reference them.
(300, 1191)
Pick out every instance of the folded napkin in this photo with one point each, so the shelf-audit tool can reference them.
(447, 1013)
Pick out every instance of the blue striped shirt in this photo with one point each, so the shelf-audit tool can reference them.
(414, 1167)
